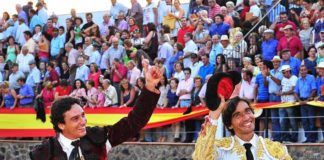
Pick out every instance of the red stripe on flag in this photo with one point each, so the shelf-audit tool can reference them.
(26, 132)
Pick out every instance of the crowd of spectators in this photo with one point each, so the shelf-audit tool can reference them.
(278, 46)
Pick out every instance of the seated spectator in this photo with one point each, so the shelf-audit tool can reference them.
(47, 94)
(206, 49)
(79, 91)
(132, 26)
(200, 35)
(82, 72)
(63, 89)
(247, 64)
(26, 94)
(207, 68)
(137, 40)
(65, 73)
(140, 83)
(178, 72)
(133, 72)
(9, 96)
(320, 55)
(232, 66)
(269, 45)
(111, 97)
(306, 33)
(164, 88)
(127, 94)
(173, 102)
(52, 74)
(310, 61)
(293, 62)
(92, 94)
(278, 26)
(253, 47)
(220, 64)
(23, 59)
(94, 56)
(94, 74)
(227, 18)
(14, 76)
(101, 97)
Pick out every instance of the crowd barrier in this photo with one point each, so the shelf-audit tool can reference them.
(22, 122)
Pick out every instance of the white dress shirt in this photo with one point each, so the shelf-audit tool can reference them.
(135, 73)
(185, 85)
(247, 89)
(66, 144)
(191, 47)
(23, 61)
(82, 73)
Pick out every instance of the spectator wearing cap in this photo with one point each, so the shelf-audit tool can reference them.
(195, 65)
(82, 72)
(320, 55)
(228, 49)
(219, 27)
(21, 13)
(287, 114)
(20, 38)
(291, 42)
(23, 60)
(305, 91)
(293, 62)
(33, 78)
(35, 20)
(274, 86)
(103, 26)
(320, 90)
(26, 93)
(321, 41)
(190, 47)
(57, 45)
(30, 43)
(207, 68)
(41, 12)
(279, 25)
(269, 45)
(165, 49)
(310, 61)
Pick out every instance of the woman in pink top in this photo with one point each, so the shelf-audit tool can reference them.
(101, 97)
(47, 94)
(94, 74)
(79, 91)
(92, 94)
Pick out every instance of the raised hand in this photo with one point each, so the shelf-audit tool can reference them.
(153, 76)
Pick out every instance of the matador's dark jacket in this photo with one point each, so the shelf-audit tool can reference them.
(93, 145)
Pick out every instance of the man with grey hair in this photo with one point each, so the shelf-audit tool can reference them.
(72, 54)
(23, 59)
(107, 22)
(116, 8)
(115, 51)
(82, 71)
(110, 94)
(133, 72)
(240, 47)
(121, 22)
(165, 49)
(216, 49)
(21, 13)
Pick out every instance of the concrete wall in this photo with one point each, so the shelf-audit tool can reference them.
(18, 150)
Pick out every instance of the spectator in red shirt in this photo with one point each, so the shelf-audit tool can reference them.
(183, 30)
(94, 74)
(118, 71)
(63, 89)
(53, 76)
(279, 25)
(291, 42)
(50, 27)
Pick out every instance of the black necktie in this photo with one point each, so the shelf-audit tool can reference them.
(249, 155)
(75, 152)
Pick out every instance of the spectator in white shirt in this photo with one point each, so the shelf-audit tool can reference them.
(178, 74)
(20, 32)
(111, 98)
(247, 86)
(23, 59)
(72, 54)
(133, 72)
(190, 48)
(202, 92)
(195, 65)
(165, 49)
(184, 89)
(95, 56)
(30, 43)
